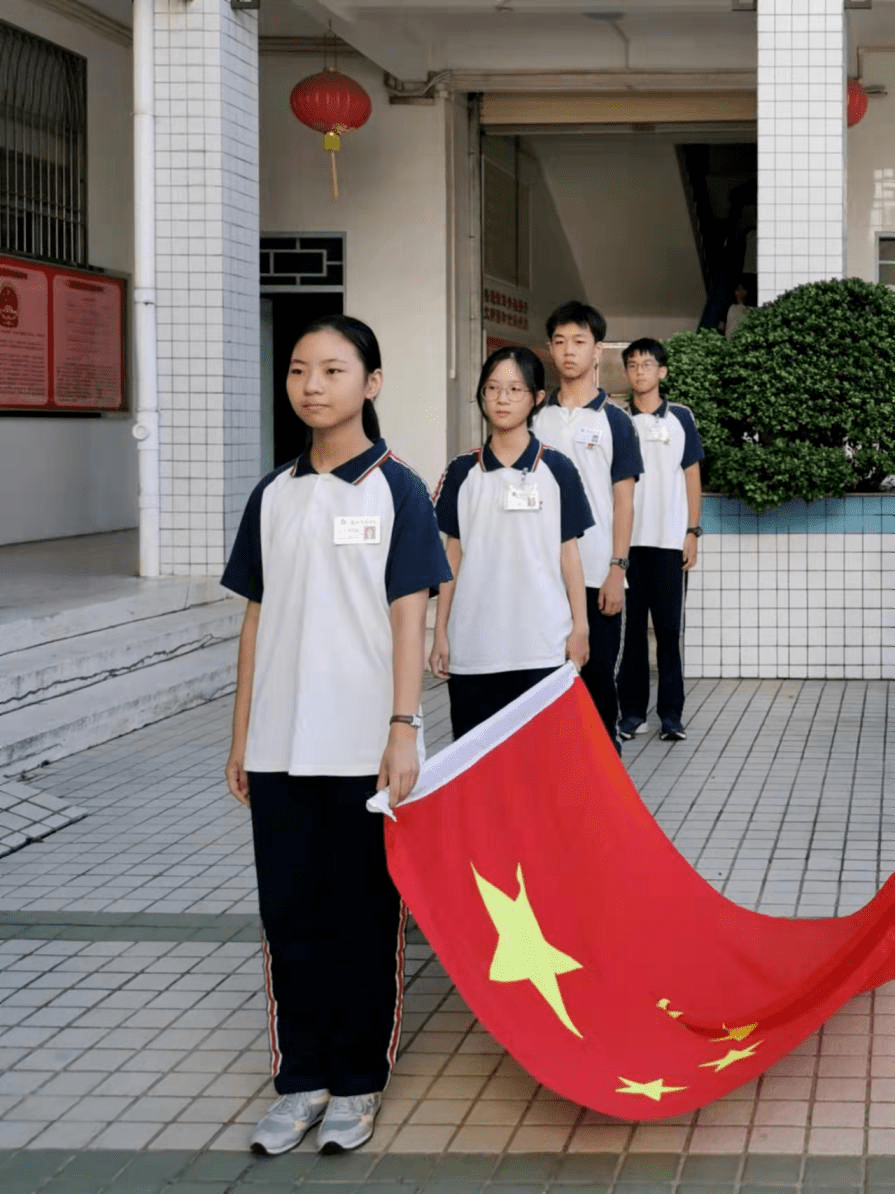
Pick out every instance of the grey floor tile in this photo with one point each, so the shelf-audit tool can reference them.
(471, 1166)
(705, 1170)
(527, 1167)
(826, 1172)
(649, 1167)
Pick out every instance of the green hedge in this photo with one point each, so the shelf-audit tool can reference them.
(800, 401)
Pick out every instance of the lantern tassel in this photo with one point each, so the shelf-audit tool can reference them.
(332, 142)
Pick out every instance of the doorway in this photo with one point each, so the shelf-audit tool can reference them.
(289, 313)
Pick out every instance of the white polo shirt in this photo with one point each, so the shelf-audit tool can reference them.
(601, 440)
(510, 609)
(326, 554)
(669, 443)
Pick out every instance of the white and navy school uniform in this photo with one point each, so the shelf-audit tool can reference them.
(326, 554)
(510, 615)
(600, 438)
(669, 444)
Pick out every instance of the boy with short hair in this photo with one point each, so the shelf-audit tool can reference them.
(663, 542)
(579, 420)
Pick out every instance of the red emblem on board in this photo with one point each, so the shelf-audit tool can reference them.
(9, 307)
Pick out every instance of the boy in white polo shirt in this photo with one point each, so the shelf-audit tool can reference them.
(663, 544)
(581, 422)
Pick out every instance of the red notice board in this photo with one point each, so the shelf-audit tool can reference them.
(61, 338)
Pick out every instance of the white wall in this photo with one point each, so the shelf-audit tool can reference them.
(70, 476)
(393, 209)
(623, 211)
(871, 169)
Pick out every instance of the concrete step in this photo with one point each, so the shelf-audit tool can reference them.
(80, 661)
(103, 602)
(61, 725)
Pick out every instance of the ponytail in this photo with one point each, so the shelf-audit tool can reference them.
(370, 421)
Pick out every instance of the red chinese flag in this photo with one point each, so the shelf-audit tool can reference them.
(585, 943)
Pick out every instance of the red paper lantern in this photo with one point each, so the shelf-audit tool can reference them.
(332, 104)
(857, 102)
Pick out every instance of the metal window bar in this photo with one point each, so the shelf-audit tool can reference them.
(43, 148)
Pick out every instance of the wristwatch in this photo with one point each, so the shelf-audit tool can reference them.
(621, 561)
(697, 531)
(406, 719)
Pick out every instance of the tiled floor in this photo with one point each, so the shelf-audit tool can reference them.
(132, 1038)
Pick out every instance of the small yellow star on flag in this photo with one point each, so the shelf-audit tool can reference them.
(522, 950)
(736, 1034)
(652, 1090)
(665, 1005)
(730, 1058)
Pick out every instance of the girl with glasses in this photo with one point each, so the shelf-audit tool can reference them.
(512, 512)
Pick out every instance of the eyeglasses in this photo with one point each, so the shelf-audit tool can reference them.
(516, 392)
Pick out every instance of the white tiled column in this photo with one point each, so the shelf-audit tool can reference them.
(801, 143)
(207, 213)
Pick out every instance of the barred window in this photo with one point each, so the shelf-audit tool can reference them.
(43, 135)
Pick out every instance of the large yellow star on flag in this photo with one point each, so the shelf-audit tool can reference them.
(729, 1058)
(736, 1034)
(652, 1090)
(522, 950)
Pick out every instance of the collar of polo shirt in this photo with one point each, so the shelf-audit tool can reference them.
(594, 404)
(660, 412)
(351, 471)
(526, 461)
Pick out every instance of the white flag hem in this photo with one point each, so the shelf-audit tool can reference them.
(473, 746)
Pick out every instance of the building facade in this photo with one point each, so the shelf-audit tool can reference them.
(517, 154)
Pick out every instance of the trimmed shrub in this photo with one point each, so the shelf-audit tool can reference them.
(805, 389)
(695, 378)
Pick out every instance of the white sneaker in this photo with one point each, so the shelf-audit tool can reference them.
(287, 1121)
(348, 1122)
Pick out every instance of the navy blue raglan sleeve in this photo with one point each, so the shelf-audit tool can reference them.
(447, 496)
(416, 558)
(626, 459)
(693, 450)
(575, 515)
(244, 573)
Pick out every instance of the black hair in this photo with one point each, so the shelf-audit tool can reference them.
(580, 314)
(646, 347)
(363, 340)
(529, 365)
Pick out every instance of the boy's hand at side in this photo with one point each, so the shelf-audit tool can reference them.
(578, 648)
(690, 552)
(400, 764)
(612, 592)
(440, 657)
(237, 780)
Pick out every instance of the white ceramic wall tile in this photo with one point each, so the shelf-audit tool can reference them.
(207, 272)
(801, 143)
(797, 610)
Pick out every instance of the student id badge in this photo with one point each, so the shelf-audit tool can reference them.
(657, 431)
(356, 528)
(589, 436)
(521, 497)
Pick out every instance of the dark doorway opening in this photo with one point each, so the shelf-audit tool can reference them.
(291, 313)
(721, 187)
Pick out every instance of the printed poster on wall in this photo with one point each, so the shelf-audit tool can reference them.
(61, 338)
(24, 338)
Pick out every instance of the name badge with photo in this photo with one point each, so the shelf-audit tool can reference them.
(521, 497)
(589, 436)
(657, 432)
(356, 528)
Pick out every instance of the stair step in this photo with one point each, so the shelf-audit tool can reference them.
(51, 669)
(132, 600)
(62, 725)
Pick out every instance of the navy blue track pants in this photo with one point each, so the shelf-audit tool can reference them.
(333, 933)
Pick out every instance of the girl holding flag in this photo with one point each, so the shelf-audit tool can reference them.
(337, 553)
(512, 512)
